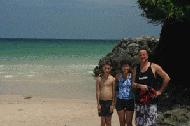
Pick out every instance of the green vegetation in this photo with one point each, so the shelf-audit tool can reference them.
(159, 10)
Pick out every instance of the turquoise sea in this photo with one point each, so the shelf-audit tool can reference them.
(50, 67)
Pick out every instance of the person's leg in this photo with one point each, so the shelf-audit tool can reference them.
(108, 120)
(130, 107)
(103, 121)
(120, 111)
(106, 113)
(102, 113)
(146, 115)
(121, 115)
(140, 115)
(151, 115)
(129, 117)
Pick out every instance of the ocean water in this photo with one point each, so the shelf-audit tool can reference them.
(50, 68)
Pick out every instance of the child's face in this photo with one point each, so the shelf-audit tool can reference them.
(106, 69)
(125, 68)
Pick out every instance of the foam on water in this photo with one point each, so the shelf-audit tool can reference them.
(30, 75)
(8, 76)
(57, 69)
(2, 66)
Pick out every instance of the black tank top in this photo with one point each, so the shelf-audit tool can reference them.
(146, 78)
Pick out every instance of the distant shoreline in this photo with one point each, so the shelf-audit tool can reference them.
(36, 39)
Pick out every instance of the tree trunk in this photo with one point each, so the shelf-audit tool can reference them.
(173, 50)
(172, 53)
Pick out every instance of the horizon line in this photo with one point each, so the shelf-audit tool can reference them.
(56, 39)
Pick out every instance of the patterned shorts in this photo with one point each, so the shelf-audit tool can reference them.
(146, 115)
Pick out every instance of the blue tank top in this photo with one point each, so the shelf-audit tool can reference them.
(125, 88)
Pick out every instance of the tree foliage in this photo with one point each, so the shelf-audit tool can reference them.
(159, 10)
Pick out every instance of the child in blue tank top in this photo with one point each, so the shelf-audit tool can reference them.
(124, 95)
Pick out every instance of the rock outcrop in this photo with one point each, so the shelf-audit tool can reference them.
(127, 48)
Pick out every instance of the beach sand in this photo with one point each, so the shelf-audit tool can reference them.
(35, 111)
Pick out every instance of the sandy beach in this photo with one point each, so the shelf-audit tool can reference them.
(45, 83)
(36, 111)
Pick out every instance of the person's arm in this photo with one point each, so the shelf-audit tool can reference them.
(139, 86)
(164, 76)
(113, 93)
(97, 90)
(133, 72)
(117, 76)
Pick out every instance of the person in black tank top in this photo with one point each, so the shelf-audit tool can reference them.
(147, 78)
(145, 85)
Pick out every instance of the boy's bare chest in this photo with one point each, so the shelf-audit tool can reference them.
(106, 83)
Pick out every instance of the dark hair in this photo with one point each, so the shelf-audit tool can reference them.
(125, 62)
(145, 48)
(106, 63)
(102, 65)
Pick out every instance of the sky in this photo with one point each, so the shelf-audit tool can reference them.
(73, 19)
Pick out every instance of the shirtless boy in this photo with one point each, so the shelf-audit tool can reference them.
(105, 95)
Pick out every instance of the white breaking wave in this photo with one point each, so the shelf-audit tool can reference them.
(30, 75)
(82, 66)
(8, 76)
(90, 72)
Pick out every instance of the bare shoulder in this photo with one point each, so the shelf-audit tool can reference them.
(98, 79)
(156, 66)
(158, 69)
(112, 78)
